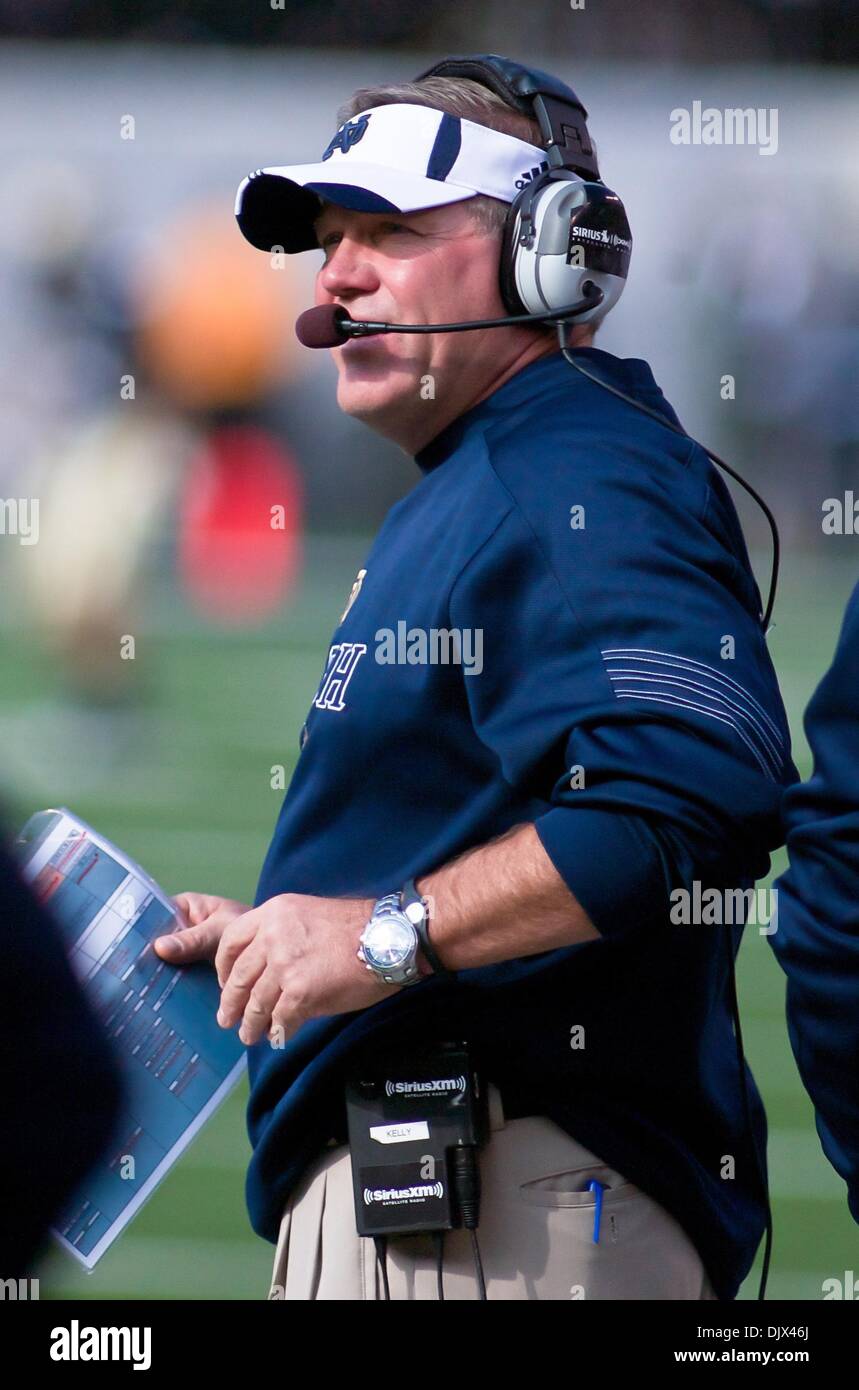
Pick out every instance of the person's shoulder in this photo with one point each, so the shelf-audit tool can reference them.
(579, 428)
(565, 408)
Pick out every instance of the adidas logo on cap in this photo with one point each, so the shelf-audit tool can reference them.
(530, 174)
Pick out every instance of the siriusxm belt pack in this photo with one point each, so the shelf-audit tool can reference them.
(416, 1120)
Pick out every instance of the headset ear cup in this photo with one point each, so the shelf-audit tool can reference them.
(507, 264)
(582, 230)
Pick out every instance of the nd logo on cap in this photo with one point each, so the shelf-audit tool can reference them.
(348, 135)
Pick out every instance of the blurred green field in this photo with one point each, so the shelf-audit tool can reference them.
(182, 782)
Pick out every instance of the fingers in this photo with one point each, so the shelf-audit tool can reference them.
(183, 908)
(261, 1003)
(243, 977)
(195, 907)
(286, 1020)
(190, 943)
(234, 940)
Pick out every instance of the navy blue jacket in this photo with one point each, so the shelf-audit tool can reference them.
(600, 559)
(817, 935)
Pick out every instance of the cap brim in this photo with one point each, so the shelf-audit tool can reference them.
(277, 207)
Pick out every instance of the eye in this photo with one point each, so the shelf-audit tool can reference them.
(383, 228)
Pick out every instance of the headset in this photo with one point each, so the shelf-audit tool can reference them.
(566, 231)
(565, 226)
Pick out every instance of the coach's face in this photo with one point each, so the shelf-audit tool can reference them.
(433, 266)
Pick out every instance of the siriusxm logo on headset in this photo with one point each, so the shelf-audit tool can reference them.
(602, 236)
(348, 135)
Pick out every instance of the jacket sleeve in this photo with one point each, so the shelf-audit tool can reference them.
(626, 685)
(817, 937)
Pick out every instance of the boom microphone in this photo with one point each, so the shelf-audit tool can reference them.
(329, 325)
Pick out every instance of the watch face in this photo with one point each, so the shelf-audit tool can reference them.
(388, 942)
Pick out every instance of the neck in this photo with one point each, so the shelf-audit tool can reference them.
(413, 440)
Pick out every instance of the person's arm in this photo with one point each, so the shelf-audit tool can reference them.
(501, 900)
(627, 692)
(296, 953)
(816, 941)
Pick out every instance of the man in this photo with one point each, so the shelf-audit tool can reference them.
(817, 936)
(610, 731)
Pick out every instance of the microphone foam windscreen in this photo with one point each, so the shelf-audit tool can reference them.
(320, 327)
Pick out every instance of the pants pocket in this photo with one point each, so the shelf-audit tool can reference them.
(569, 1187)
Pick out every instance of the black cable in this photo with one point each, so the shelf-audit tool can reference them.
(465, 1189)
(381, 1244)
(438, 1241)
(678, 429)
(761, 1162)
(478, 1263)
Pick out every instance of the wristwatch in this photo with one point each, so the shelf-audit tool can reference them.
(396, 931)
(390, 942)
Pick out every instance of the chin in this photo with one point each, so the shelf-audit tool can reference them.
(365, 393)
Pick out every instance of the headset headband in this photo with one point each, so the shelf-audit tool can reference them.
(561, 116)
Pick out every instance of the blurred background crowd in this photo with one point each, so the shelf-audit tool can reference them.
(152, 392)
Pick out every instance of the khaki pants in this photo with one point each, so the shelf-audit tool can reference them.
(535, 1233)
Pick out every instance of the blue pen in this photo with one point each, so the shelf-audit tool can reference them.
(598, 1187)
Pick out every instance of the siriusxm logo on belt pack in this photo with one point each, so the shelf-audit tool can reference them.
(445, 1086)
(434, 646)
(417, 1192)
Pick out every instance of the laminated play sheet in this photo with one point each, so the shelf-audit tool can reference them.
(159, 1019)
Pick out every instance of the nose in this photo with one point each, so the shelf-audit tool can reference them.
(349, 271)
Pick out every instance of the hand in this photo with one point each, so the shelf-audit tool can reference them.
(205, 918)
(292, 959)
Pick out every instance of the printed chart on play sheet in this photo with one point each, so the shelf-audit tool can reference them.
(177, 1063)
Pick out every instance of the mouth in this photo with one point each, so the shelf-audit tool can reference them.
(352, 343)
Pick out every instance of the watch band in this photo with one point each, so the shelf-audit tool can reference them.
(389, 903)
(409, 896)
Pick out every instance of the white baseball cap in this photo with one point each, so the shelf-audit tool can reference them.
(396, 158)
